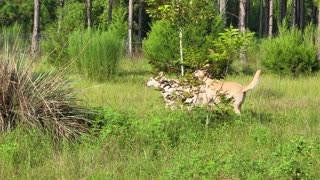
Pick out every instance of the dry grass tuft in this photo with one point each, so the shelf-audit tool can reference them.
(38, 100)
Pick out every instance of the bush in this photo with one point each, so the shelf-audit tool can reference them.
(54, 39)
(119, 25)
(226, 51)
(43, 100)
(96, 54)
(196, 45)
(292, 53)
(162, 46)
(198, 37)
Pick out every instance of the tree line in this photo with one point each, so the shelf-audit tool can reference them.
(61, 17)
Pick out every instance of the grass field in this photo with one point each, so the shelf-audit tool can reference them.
(276, 137)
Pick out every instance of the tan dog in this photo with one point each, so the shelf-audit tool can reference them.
(231, 89)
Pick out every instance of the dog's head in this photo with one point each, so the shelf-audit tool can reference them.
(155, 81)
(201, 73)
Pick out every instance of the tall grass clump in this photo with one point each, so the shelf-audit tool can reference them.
(42, 100)
(12, 37)
(96, 53)
(291, 53)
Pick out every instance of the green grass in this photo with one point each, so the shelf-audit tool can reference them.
(96, 54)
(276, 137)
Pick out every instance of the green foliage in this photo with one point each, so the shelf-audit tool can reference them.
(21, 12)
(226, 50)
(133, 131)
(11, 38)
(260, 135)
(119, 24)
(181, 12)
(197, 40)
(100, 14)
(96, 54)
(16, 12)
(162, 45)
(317, 3)
(111, 123)
(229, 42)
(295, 159)
(55, 38)
(197, 20)
(21, 151)
(291, 53)
(71, 17)
(108, 123)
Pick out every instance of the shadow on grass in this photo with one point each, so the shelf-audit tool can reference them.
(269, 93)
(134, 73)
(262, 117)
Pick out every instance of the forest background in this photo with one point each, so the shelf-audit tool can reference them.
(74, 103)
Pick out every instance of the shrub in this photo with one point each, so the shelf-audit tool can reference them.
(119, 25)
(162, 46)
(198, 39)
(55, 39)
(196, 45)
(42, 100)
(226, 50)
(96, 54)
(292, 53)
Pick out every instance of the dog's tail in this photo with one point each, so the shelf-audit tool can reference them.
(253, 83)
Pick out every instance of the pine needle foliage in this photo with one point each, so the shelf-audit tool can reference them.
(292, 53)
(97, 54)
(42, 100)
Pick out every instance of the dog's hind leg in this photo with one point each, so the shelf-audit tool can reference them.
(238, 101)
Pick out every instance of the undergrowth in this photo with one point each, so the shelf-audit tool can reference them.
(134, 137)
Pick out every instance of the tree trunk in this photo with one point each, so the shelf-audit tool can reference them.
(222, 6)
(242, 28)
(140, 27)
(110, 12)
(181, 50)
(89, 12)
(314, 14)
(242, 15)
(130, 25)
(270, 18)
(293, 13)
(318, 33)
(35, 33)
(266, 17)
(180, 37)
(247, 13)
(301, 14)
(260, 18)
(283, 10)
